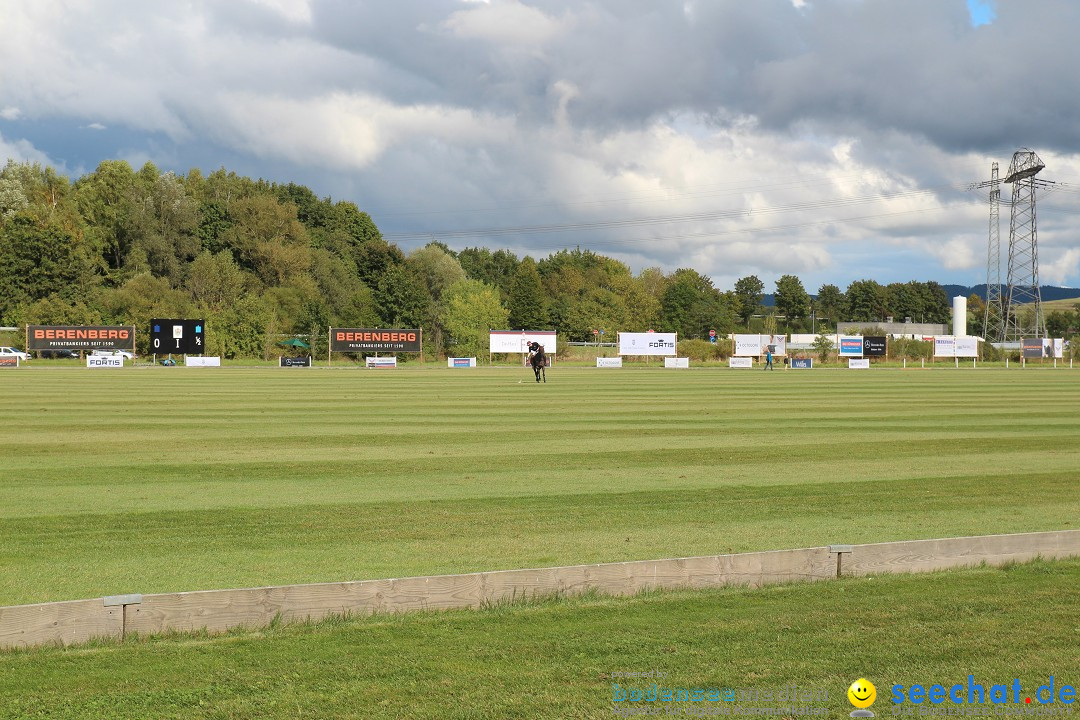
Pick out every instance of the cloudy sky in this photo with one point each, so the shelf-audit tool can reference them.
(832, 139)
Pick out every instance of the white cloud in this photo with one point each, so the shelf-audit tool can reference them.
(778, 147)
(507, 23)
(1064, 266)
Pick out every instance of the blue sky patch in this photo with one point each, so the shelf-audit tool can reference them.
(981, 12)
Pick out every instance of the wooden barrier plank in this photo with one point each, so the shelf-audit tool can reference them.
(929, 555)
(58, 623)
(217, 610)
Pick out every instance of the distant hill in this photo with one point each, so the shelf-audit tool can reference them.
(1049, 293)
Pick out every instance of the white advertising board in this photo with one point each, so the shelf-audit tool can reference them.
(967, 347)
(756, 345)
(748, 345)
(1059, 347)
(104, 361)
(952, 346)
(517, 341)
(204, 361)
(648, 343)
(609, 362)
(944, 346)
(460, 362)
(390, 361)
(858, 363)
(677, 362)
(740, 362)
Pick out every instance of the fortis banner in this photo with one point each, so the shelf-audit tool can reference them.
(653, 343)
(351, 340)
(85, 337)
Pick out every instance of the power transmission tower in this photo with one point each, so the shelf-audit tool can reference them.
(993, 317)
(1023, 277)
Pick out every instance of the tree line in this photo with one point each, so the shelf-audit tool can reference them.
(260, 261)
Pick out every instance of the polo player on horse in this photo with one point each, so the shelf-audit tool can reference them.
(537, 359)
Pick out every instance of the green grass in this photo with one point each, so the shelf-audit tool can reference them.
(166, 479)
(555, 659)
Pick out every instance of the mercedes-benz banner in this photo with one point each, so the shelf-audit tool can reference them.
(873, 346)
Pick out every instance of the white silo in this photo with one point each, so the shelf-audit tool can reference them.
(959, 316)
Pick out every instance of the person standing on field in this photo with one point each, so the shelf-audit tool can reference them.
(768, 358)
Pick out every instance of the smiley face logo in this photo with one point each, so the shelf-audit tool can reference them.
(862, 693)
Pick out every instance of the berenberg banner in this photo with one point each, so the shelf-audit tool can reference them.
(350, 340)
(85, 337)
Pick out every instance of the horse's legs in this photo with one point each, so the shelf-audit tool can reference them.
(544, 373)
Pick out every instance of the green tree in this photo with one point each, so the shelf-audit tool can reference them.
(471, 310)
(402, 298)
(38, 260)
(830, 303)
(526, 299)
(823, 346)
(748, 291)
(1059, 323)
(792, 299)
(867, 301)
(494, 268)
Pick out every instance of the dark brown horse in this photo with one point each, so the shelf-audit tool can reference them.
(538, 360)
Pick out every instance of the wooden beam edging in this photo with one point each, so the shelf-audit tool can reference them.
(65, 623)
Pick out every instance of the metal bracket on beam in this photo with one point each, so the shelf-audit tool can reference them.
(114, 600)
(122, 601)
(839, 550)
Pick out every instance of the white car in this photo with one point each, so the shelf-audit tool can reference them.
(12, 352)
(127, 355)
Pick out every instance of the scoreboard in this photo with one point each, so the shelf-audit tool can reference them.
(177, 336)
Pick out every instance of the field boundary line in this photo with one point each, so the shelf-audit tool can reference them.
(78, 621)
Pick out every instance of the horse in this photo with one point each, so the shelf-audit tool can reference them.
(538, 360)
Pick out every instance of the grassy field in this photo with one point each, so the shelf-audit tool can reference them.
(556, 659)
(165, 479)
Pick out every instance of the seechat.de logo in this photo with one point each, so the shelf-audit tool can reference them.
(862, 695)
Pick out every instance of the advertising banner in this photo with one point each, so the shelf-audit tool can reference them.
(677, 362)
(104, 361)
(944, 346)
(1059, 348)
(87, 337)
(647, 343)
(966, 347)
(850, 346)
(517, 341)
(1031, 348)
(858, 363)
(740, 362)
(776, 343)
(9, 361)
(211, 361)
(874, 346)
(177, 336)
(460, 362)
(748, 346)
(756, 345)
(356, 340)
(609, 362)
(381, 362)
(802, 363)
(294, 361)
